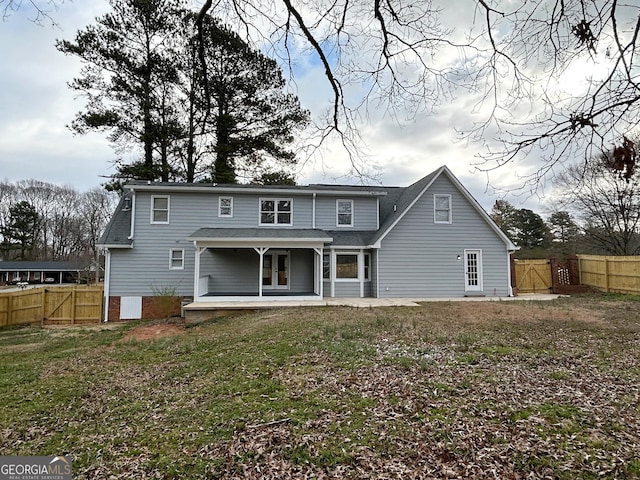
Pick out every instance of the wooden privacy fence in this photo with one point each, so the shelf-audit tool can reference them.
(609, 273)
(52, 306)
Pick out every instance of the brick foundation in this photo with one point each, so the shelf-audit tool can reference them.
(159, 307)
(152, 307)
(114, 309)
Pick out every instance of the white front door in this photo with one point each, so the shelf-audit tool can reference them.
(275, 270)
(473, 270)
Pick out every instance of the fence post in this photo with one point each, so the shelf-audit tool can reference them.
(43, 301)
(606, 274)
(73, 306)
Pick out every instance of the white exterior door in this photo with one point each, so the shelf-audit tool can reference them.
(473, 270)
(275, 271)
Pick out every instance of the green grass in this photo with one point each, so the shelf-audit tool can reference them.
(530, 389)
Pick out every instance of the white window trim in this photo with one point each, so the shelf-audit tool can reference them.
(435, 217)
(343, 225)
(328, 254)
(275, 212)
(230, 214)
(171, 251)
(153, 210)
(365, 255)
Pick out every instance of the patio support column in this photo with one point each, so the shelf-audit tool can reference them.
(332, 262)
(318, 273)
(261, 251)
(361, 271)
(196, 274)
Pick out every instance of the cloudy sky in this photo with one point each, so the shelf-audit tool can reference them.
(36, 106)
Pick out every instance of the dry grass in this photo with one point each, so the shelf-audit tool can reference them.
(446, 390)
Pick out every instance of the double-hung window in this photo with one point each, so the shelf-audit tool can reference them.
(442, 208)
(344, 213)
(176, 259)
(160, 209)
(225, 206)
(277, 211)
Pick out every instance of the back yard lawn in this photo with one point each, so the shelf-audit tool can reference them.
(447, 390)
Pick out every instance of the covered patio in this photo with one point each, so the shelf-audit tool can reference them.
(249, 264)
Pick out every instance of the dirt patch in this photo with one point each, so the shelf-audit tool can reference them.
(481, 312)
(155, 331)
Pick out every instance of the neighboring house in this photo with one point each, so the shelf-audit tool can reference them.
(38, 272)
(214, 243)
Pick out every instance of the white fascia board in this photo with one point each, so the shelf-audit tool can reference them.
(351, 247)
(256, 190)
(110, 246)
(263, 242)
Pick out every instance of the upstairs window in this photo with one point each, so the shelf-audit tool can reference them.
(344, 212)
(225, 206)
(276, 211)
(442, 208)
(160, 209)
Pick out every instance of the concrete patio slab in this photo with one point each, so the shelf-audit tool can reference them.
(196, 312)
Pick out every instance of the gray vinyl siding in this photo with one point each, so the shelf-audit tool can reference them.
(350, 289)
(418, 258)
(365, 213)
(231, 271)
(191, 211)
(301, 271)
(134, 274)
(145, 267)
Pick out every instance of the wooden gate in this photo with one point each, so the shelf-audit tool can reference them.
(533, 276)
(52, 306)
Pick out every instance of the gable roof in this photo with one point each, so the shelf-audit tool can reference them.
(118, 230)
(394, 204)
(408, 197)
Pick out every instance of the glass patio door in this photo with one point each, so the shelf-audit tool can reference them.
(473, 270)
(275, 270)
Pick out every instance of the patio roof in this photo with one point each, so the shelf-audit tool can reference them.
(260, 237)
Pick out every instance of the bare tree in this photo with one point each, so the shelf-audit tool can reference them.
(607, 203)
(69, 223)
(516, 57)
(39, 12)
(552, 79)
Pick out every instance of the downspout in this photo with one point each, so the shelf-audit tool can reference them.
(509, 287)
(107, 283)
(313, 212)
(133, 214)
(361, 271)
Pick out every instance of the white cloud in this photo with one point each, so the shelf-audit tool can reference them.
(36, 106)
